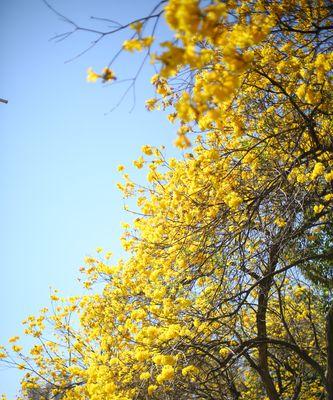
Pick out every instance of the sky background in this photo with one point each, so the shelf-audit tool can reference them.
(60, 147)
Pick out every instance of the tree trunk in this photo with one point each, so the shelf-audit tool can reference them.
(329, 342)
(264, 289)
(262, 347)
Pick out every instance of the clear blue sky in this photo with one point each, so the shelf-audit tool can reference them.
(59, 151)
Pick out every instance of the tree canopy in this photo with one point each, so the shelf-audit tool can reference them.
(227, 288)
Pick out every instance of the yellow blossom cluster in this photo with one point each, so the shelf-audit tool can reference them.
(224, 286)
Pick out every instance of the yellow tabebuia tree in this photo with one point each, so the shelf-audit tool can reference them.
(229, 271)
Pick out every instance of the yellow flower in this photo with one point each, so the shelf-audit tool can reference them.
(328, 197)
(91, 75)
(224, 351)
(139, 162)
(132, 45)
(142, 355)
(144, 376)
(166, 374)
(137, 26)
(150, 104)
(182, 142)
(189, 369)
(317, 170)
(280, 222)
(329, 176)
(13, 339)
(318, 208)
(151, 389)
(234, 200)
(108, 75)
(147, 150)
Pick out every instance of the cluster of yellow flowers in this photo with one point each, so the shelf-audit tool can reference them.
(106, 75)
(210, 287)
(138, 44)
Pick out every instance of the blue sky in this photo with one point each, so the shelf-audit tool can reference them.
(60, 149)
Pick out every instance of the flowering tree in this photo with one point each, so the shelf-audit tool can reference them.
(229, 270)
